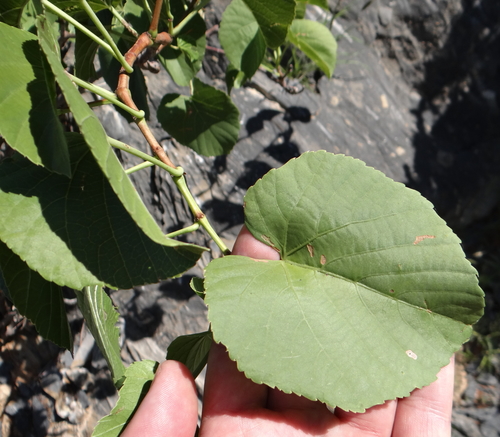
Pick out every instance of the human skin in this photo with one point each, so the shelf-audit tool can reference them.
(234, 406)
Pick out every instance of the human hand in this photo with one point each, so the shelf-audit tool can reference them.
(235, 406)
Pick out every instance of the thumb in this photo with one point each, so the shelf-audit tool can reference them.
(170, 406)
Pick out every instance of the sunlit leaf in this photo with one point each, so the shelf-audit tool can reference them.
(316, 41)
(372, 294)
(207, 122)
(241, 38)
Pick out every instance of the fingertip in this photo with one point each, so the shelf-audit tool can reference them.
(247, 245)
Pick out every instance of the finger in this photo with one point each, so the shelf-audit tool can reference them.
(247, 245)
(427, 412)
(170, 406)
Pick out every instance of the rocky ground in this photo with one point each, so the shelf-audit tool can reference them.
(415, 95)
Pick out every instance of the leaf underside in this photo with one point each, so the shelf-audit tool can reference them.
(371, 297)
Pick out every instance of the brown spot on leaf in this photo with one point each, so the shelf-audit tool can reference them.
(269, 242)
(422, 237)
(391, 291)
(260, 260)
(411, 354)
(322, 260)
(310, 249)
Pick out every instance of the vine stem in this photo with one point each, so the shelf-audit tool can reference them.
(180, 181)
(108, 95)
(116, 52)
(173, 171)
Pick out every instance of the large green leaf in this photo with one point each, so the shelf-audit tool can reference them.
(101, 316)
(11, 11)
(77, 232)
(35, 298)
(138, 377)
(372, 294)
(316, 41)
(241, 38)
(29, 121)
(207, 122)
(191, 350)
(274, 18)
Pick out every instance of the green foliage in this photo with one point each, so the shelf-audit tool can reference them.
(372, 294)
(207, 122)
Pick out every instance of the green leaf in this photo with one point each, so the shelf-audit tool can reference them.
(35, 298)
(316, 41)
(274, 18)
(184, 62)
(76, 232)
(101, 317)
(74, 8)
(29, 121)
(371, 297)
(234, 78)
(241, 38)
(11, 11)
(138, 377)
(207, 122)
(191, 350)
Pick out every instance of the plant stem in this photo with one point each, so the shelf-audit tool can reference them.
(174, 171)
(60, 13)
(116, 52)
(180, 181)
(186, 230)
(108, 95)
(138, 167)
(200, 217)
(177, 29)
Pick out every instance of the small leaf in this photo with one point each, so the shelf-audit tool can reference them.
(317, 42)
(359, 309)
(274, 18)
(234, 78)
(101, 317)
(241, 38)
(138, 377)
(29, 121)
(35, 298)
(191, 350)
(207, 122)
